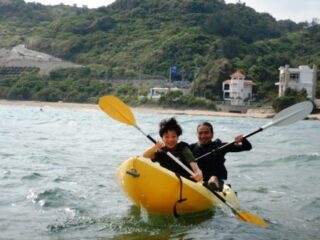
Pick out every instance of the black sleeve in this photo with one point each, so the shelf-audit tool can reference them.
(236, 147)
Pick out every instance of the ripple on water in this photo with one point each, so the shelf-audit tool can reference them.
(135, 224)
(53, 198)
(32, 176)
(310, 205)
(6, 155)
(298, 159)
(5, 173)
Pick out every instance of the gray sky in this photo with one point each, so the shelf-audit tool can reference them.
(296, 10)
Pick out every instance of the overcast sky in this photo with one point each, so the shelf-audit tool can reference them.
(296, 10)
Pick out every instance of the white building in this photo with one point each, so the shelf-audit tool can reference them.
(156, 92)
(237, 89)
(299, 78)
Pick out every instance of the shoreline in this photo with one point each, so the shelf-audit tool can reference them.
(252, 113)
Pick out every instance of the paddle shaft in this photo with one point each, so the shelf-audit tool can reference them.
(222, 200)
(168, 153)
(228, 144)
(276, 121)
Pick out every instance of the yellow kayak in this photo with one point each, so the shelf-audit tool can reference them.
(160, 191)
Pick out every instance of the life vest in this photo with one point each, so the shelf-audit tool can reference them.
(168, 163)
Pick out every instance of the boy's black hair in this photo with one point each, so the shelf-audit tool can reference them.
(170, 124)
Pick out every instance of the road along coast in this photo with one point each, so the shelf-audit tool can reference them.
(251, 113)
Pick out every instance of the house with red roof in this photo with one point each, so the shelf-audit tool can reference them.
(237, 89)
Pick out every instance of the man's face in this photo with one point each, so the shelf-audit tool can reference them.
(204, 134)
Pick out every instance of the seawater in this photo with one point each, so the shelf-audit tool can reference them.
(57, 177)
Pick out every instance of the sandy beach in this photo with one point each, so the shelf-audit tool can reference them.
(252, 113)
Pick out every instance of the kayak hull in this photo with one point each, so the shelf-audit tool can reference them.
(158, 190)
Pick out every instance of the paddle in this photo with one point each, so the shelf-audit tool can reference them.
(119, 111)
(242, 215)
(287, 116)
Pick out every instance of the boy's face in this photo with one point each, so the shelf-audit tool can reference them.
(170, 139)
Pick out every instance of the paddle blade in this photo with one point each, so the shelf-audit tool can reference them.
(117, 110)
(293, 114)
(251, 218)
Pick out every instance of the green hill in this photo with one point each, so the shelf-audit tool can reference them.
(204, 38)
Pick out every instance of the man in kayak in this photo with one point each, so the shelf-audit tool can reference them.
(169, 132)
(212, 165)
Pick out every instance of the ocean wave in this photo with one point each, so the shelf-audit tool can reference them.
(52, 198)
(32, 176)
(310, 205)
(72, 219)
(298, 158)
(5, 173)
(135, 224)
(6, 155)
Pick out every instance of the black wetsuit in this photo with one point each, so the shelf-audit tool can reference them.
(213, 164)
